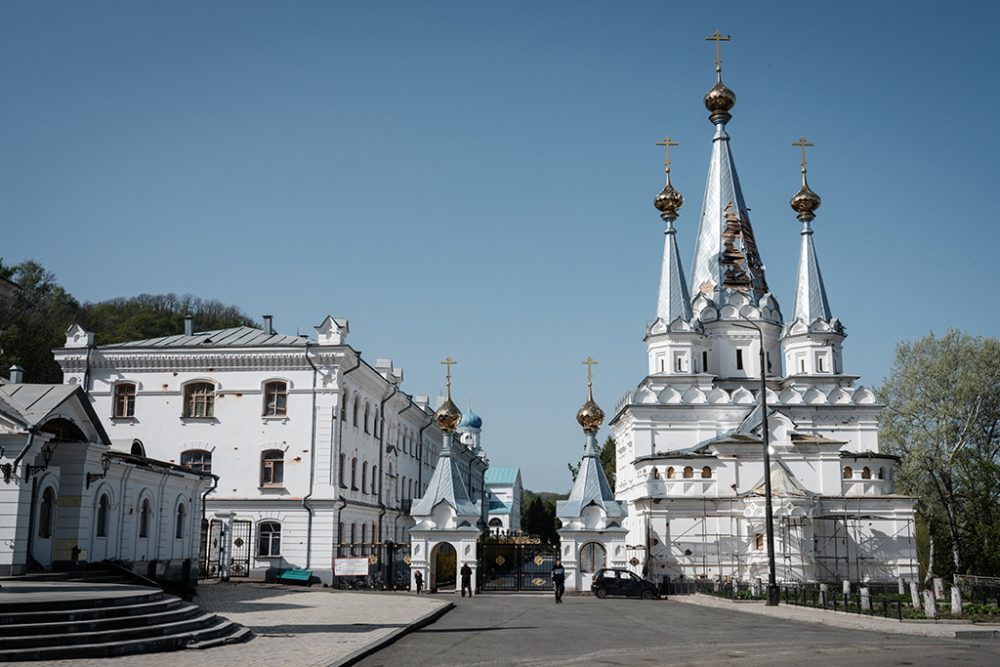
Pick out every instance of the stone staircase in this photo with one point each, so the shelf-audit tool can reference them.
(93, 614)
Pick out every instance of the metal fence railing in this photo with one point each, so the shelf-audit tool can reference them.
(886, 603)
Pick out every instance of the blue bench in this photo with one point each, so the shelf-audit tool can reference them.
(295, 576)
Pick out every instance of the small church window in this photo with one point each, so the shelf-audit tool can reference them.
(45, 513)
(706, 473)
(802, 365)
(819, 364)
(199, 400)
(269, 539)
(368, 408)
(663, 365)
(881, 473)
(866, 473)
(199, 460)
(758, 541)
(739, 359)
(678, 364)
(272, 467)
(103, 510)
(364, 477)
(704, 361)
(656, 473)
(179, 528)
(144, 516)
(354, 474)
(848, 473)
(124, 404)
(670, 472)
(275, 399)
(355, 411)
(688, 472)
(768, 356)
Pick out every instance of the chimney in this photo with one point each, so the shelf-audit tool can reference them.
(188, 325)
(268, 326)
(16, 374)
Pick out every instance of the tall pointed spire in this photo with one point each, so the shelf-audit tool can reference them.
(673, 301)
(722, 191)
(810, 293)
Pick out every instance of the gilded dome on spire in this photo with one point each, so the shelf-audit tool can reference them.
(805, 202)
(590, 416)
(719, 100)
(448, 415)
(669, 200)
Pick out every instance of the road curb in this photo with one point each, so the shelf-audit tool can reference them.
(365, 651)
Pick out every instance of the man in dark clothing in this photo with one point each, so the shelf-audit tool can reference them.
(418, 578)
(466, 573)
(559, 580)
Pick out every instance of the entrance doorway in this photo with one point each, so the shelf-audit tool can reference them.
(444, 560)
(44, 524)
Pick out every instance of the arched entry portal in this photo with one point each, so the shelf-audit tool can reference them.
(444, 567)
(593, 557)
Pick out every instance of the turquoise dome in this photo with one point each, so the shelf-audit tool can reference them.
(471, 420)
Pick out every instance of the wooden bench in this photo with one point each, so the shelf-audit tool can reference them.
(295, 576)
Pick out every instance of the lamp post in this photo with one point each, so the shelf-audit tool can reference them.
(772, 586)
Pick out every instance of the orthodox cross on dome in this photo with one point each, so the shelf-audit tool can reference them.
(667, 142)
(802, 143)
(718, 38)
(589, 362)
(449, 362)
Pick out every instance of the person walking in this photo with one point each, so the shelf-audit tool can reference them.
(466, 573)
(559, 580)
(418, 578)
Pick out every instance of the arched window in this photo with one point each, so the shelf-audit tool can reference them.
(364, 535)
(758, 541)
(368, 408)
(124, 402)
(272, 467)
(670, 472)
(181, 515)
(354, 474)
(848, 473)
(137, 449)
(144, 516)
(199, 460)
(199, 400)
(866, 473)
(496, 523)
(343, 407)
(364, 477)
(688, 472)
(355, 411)
(592, 557)
(375, 423)
(269, 539)
(342, 471)
(656, 473)
(45, 512)
(881, 473)
(103, 510)
(275, 399)
(706, 473)
(374, 479)
(354, 544)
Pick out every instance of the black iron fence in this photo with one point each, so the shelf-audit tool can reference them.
(388, 566)
(733, 590)
(881, 600)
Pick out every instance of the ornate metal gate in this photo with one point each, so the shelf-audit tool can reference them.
(516, 564)
(239, 563)
(211, 546)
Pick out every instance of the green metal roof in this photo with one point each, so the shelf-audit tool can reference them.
(503, 475)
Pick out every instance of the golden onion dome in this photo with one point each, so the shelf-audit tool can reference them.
(447, 416)
(590, 416)
(668, 201)
(805, 202)
(719, 100)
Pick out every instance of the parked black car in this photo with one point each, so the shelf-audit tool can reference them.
(615, 581)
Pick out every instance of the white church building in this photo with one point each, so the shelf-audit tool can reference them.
(689, 446)
(319, 454)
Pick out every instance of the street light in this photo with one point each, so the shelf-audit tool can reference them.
(772, 586)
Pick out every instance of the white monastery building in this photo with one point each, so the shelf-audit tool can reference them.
(318, 453)
(504, 490)
(689, 446)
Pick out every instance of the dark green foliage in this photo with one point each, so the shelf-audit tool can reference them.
(608, 460)
(538, 514)
(34, 321)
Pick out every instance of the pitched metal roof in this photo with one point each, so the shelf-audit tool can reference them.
(810, 293)
(233, 337)
(591, 488)
(446, 485)
(503, 476)
(32, 404)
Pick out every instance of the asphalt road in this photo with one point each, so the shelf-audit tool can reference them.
(499, 629)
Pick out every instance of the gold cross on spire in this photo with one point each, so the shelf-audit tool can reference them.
(718, 38)
(589, 362)
(449, 362)
(667, 143)
(802, 143)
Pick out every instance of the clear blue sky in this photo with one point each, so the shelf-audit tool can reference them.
(476, 179)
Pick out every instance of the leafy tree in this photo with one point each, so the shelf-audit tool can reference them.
(34, 321)
(538, 514)
(607, 457)
(943, 419)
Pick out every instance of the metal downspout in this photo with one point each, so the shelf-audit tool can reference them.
(312, 463)
(31, 439)
(339, 437)
(381, 457)
(420, 454)
(86, 372)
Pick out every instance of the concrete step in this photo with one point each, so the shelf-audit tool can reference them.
(166, 612)
(161, 603)
(185, 625)
(136, 596)
(220, 630)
